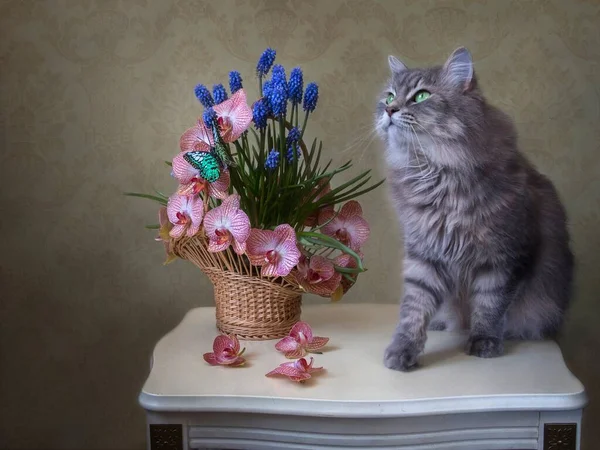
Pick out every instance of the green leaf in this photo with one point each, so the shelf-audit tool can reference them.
(333, 192)
(349, 277)
(169, 163)
(316, 165)
(328, 241)
(308, 161)
(160, 194)
(152, 227)
(160, 200)
(348, 269)
(242, 153)
(359, 193)
(318, 227)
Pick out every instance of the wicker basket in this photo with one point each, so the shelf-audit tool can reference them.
(247, 305)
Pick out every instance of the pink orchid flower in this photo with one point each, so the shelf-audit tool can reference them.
(276, 251)
(226, 352)
(300, 341)
(185, 213)
(298, 371)
(227, 224)
(199, 138)
(317, 275)
(191, 183)
(348, 226)
(233, 116)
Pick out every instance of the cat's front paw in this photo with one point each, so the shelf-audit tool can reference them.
(401, 354)
(485, 346)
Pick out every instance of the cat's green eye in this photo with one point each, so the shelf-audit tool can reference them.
(422, 95)
(390, 98)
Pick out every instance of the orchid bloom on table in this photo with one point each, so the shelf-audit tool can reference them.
(300, 341)
(191, 183)
(226, 352)
(275, 250)
(163, 233)
(233, 116)
(227, 224)
(348, 226)
(298, 371)
(185, 213)
(317, 275)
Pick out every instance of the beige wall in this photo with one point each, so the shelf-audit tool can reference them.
(94, 95)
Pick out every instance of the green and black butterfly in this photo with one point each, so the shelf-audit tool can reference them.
(211, 163)
(208, 164)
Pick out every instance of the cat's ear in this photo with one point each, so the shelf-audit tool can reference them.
(459, 69)
(396, 66)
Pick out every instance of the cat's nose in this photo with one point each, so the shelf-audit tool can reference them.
(391, 110)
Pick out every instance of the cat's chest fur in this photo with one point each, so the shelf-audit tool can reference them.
(442, 215)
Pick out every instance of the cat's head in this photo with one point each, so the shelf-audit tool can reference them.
(436, 110)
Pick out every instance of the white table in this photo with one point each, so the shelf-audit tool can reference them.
(526, 399)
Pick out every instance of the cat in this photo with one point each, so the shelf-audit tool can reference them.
(486, 245)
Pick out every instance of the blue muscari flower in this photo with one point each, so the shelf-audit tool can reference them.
(259, 114)
(219, 93)
(278, 91)
(296, 86)
(290, 153)
(265, 62)
(278, 76)
(203, 94)
(267, 85)
(311, 96)
(272, 160)
(235, 81)
(293, 136)
(209, 116)
(278, 100)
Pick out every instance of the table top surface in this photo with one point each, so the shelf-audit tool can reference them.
(529, 376)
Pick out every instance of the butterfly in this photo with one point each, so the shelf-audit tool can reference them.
(211, 163)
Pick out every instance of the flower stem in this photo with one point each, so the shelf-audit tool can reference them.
(297, 114)
(304, 124)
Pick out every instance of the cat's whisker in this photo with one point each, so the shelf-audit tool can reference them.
(360, 139)
(367, 145)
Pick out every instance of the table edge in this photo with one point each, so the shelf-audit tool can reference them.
(365, 408)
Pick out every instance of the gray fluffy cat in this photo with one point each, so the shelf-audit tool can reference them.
(486, 241)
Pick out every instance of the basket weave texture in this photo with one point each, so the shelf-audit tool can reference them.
(247, 305)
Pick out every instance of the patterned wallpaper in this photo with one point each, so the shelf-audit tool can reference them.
(94, 95)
